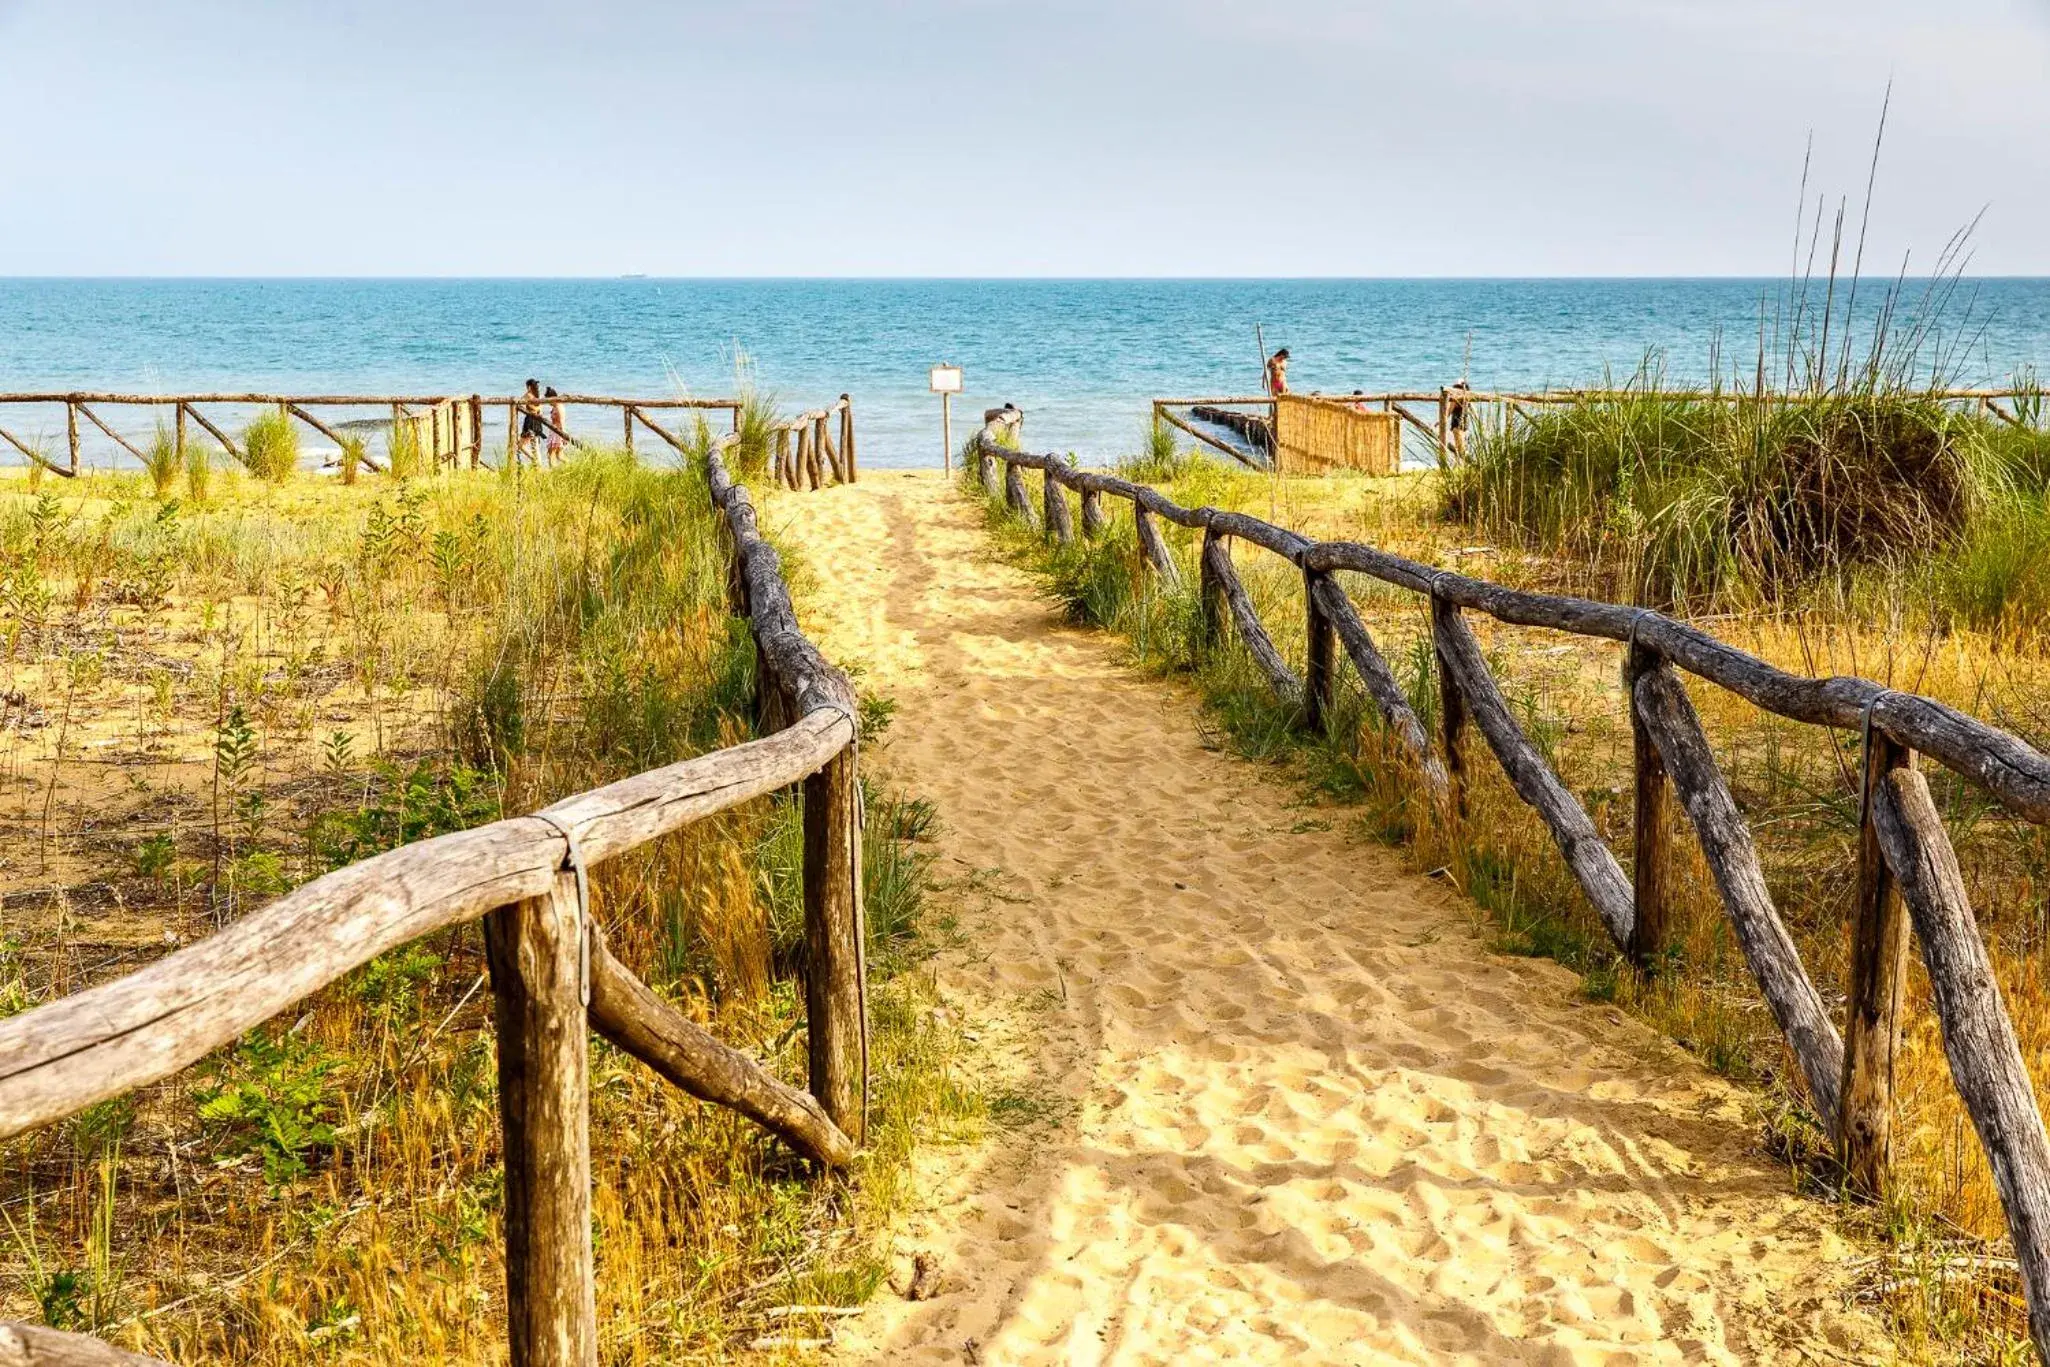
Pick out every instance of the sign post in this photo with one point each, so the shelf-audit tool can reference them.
(946, 382)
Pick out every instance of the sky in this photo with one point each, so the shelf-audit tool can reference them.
(1002, 138)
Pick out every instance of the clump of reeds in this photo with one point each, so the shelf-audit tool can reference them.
(403, 454)
(350, 459)
(270, 447)
(1160, 458)
(199, 472)
(160, 461)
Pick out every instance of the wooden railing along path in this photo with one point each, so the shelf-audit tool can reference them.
(526, 877)
(1902, 849)
(449, 428)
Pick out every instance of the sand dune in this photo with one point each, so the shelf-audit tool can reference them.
(1285, 1106)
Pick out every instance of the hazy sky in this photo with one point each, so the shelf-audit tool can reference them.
(979, 137)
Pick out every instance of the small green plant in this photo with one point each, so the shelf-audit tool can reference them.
(160, 462)
(407, 805)
(155, 856)
(1160, 459)
(270, 447)
(271, 1099)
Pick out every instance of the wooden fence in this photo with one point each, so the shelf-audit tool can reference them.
(1445, 418)
(1903, 848)
(526, 878)
(450, 428)
(805, 451)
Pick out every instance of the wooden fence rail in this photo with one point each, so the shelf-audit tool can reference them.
(1848, 1074)
(450, 427)
(1457, 410)
(526, 877)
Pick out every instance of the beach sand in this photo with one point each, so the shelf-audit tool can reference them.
(1272, 1099)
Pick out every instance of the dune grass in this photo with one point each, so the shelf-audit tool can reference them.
(291, 678)
(1937, 1242)
(270, 447)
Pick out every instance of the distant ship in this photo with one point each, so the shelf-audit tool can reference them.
(635, 275)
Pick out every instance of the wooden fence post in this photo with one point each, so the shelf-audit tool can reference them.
(1211, 583)
(626, 418)
(837, 1032)
(181, 436)
(71, 432)
(1978, 1035)
(476, 430)
(1879, 967)
(1648, 830)
(536, 951)
(986, 466)
(1451, 708)
(1320, 659)
(512, 435)
(1015, 495)
(1093, 520)
(847, 435)
(1154, 548)
(1059, 523)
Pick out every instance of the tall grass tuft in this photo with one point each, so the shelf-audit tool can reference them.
(350, 460)
(1160, 457)
(403, 456)
(199, 472)
(160, 462)
(270, 447)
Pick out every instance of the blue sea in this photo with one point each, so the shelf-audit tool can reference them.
(1082, 357)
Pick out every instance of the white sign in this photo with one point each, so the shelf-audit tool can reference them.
(946, 379)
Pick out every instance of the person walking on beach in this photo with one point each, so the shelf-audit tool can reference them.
(1277, 372)
(531, 430)
(1455, 414)
(556, 419)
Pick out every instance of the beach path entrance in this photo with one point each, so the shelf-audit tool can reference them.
(1258, 1092)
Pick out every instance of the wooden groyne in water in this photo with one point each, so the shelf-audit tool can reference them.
(1907, 871)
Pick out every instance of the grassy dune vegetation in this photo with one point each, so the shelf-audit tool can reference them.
(219, 684)
(1706, 510)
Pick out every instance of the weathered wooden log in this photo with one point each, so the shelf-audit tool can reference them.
(1210, 587)
(36, 456)
(2001, 763)
(1978, 1038)
(71, 433)
(1661, 704)
(31, 1345)
(1154, 547)
(675, 443)
(1223, 591)
(1094, 522)
(1649, 932)
(538, 952)
(135, 1030)
(836, 1016)
(785, 474)
(1320, 659)
(216, 433)
(847, 438)
(1878, 981)
(1379, 681)
(1594, 866)
(1257, 431)
(124, 443)
(476, 430)
(1060, 525)
(1015, 495)
(1452, 709)
(808, 455)
(626, 1011)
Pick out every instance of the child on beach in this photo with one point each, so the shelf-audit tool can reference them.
(557, 420)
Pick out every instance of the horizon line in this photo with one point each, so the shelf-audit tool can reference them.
(649, 278)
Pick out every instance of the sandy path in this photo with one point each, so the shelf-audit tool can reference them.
(1294, 1111)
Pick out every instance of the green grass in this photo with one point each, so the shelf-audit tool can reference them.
(160, 462)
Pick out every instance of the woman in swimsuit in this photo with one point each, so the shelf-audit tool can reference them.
(531, 430)
(1277, 372)
(556, 418)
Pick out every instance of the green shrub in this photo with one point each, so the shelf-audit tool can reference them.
(403, 456)
(270, 447)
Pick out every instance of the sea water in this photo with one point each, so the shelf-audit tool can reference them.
(1081, 357)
